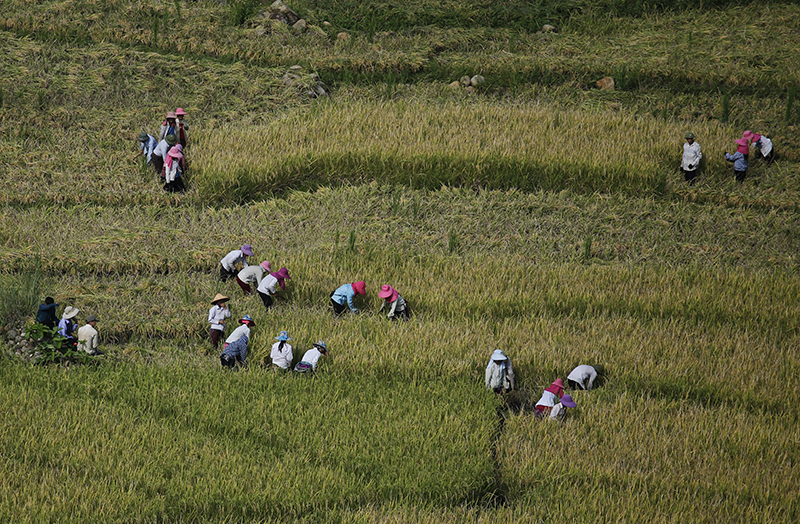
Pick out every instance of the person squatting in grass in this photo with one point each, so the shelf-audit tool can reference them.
(161, 151)
(739, 159)
(241, 331)
(345, 295)
(763, 146)
(235, 352)
(88, 337)
(227, 266)
(499, 373)
(217, 315)
(147, 144)
(46, 314)
(266, 289)
(559, 412)
(397, 305)
(252, 275)
(551, 395)
(281, 353)
(174, 167)
(310, 360)
(585, 377)
(691, 158)
(68, 327)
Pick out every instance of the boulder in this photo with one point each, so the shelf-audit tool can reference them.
(455, 84)
(300, 26)
(280, 11)
(547, 28)
(476, 80)
(465, 81)
(12, 334)
(343, 36)
(605, 83)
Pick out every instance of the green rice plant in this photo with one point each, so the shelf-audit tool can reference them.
(726, 107)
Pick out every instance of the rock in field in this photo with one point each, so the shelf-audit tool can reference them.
(605, 83)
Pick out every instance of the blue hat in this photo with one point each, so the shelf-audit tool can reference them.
(283, 336)
(248, 319)
(322, 347)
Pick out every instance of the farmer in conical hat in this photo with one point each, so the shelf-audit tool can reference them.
(345, 295)
(691, 158)
(551, 395)
(68, 326)
(217, 315)
(739, 159)
(227, 266)
(397, 305)
(499, 373)
(308, 364)
(559, 412)
(266, 289)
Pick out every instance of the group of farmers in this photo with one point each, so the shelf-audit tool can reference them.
(166, 154)
(692, 155)
(234, 265)
(553, 403)
(84, 338)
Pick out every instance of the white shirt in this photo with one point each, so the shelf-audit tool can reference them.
(244, 329)
(548, 399)
(312, 356)
(556, 411)
(283, 358)
(87, 339)
(251, 274)
(233, 258)
(217, 315)
(162, 149)
(691, 156)
(267, 285)
(766, 145)
(583, 375)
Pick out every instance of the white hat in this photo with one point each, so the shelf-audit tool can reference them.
(499, 356)
(69, 312)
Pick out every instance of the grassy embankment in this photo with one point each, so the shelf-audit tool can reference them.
(688, 295)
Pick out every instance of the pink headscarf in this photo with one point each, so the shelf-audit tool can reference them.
(174, 154)
(388, 293)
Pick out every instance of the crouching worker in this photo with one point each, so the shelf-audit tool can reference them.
(585, 377)
(68, 327)
(499, 373)
(241, 331)
(227, 266)
(345, 296)
(281, 353)
(308, 364)
(559, 412)
(397, 305)
(88, 338)
(551, 395)
(235, 352)
(266, 289)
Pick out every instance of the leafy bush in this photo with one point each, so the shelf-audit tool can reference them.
(54, 348)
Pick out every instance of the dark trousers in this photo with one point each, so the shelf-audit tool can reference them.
(266, 299)
(227, 362)
(244, 285)
(689, 176)
(224, 274)
(158, 163)
(214, 336)
(574, 385)
(176, 186)
(338, 309)
(740, 175)
(770, 158)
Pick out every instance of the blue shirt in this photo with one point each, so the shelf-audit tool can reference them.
(344, 294)
(67, 327)
(237, 349)
(147, 147)
(739, 161)
(47, 314)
